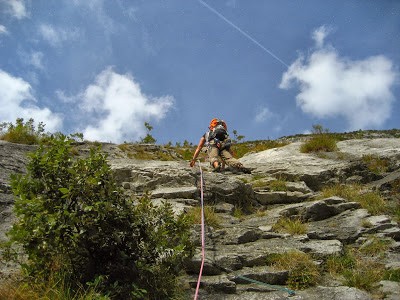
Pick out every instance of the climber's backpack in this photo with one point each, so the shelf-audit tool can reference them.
(218, 130)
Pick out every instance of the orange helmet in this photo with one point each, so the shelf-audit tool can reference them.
(214, 122)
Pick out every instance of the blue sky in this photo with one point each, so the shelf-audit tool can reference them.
(268, 68)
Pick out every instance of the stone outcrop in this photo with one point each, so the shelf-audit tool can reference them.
(237, 251)
(316, 171)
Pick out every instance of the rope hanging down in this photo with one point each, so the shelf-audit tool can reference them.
(202, 233)
(290, 292)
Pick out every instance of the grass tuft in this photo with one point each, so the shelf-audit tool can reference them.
(371, 201)
(210, 217)
(376, 164)
(291, 226)
(303, 272)
(54, 289)
(357, 268)
(321, 141)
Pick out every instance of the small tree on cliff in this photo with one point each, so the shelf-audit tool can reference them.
(148, 139)
(73, 221)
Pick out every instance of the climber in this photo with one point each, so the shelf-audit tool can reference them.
(218, 144)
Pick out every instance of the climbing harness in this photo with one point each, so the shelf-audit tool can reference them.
(202, 232)
(290, 292)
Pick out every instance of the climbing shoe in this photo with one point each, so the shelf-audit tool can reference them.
(245, 170)
(217, 169)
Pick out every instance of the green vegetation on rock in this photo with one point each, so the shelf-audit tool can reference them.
(75, 223)
(22, 132)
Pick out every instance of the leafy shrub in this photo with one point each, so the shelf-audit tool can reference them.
(148, 139)
(22, 132)
(303, 272)
(320, 141)
(74, 220)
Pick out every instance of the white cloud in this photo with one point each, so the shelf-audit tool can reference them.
(320, 34)
(98, 10)
(115, 108)
(65, 98)
(16, 8)
(263, 114)
(34, 58)
(17, 101)
(56, 36)
(330, 86)
(3, 30)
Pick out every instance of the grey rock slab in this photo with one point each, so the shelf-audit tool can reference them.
(290, 161)
(178, 205)
(382, 147)
(280, 197)
(189, 192)
(149, 175)
(345, 227)
(391, 289)
(298, 186)
(334, 293)
(235, 235)
(263, 274)
(314, 170)
(215, 284)
(316, 293)
(323, 248)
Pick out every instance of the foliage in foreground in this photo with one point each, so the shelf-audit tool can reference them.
(74, 220)
(22, 132)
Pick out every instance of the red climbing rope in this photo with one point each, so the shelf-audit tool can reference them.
(202, 233)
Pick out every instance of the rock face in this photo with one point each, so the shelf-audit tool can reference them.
(237, 251)
(12, 160)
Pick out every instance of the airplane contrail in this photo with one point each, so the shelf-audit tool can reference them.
(243, 32)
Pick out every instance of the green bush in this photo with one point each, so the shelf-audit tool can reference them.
(74, 220)
(22, 133)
